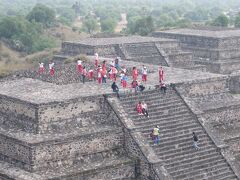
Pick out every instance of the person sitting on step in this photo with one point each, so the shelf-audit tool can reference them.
(163, 87)
(139, 108)
(115, 88)
(145, 109)
(141, 87)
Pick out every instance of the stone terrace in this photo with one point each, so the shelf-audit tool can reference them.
(217, 49)
(226, 33)
(157, 51)
(119, 40)
(51, 114)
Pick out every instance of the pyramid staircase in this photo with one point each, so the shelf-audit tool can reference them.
(177, 123)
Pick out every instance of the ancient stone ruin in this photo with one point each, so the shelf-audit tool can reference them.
(58, 128)
(217, 49)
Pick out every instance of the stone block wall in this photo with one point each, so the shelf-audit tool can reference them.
(229, 43)
(180, 57)
(234, 83)
(107, 51)
(190, 40)
(71, 48)
(141, 49)
(203, 87)
(227, 117)
(156, 60)
(168, 45)
(59, 152)
(18, 114)
(95, 136)
(42, 118)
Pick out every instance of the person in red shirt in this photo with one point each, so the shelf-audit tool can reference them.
(79, 66)
(96, 60)
(104, 67)
(144, 74)
(134, 73)
(84, 74)
(51, 68)
(99, 75)
(124, 80)
(161, 73)
(114, 73)
(104, 75)
(139, 108)
(41, 68)
(90, 74)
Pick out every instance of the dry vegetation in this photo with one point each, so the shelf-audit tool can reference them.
(11, 61)
(65, 33)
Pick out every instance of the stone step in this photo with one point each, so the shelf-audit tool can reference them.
(166, 112)
(162, 117)
(186, 163)
(165, 139)
(154, 100)
(225, 175)
(163, 122)
(176, 142)
(188, 145)
(229, 175)
(213, 169)
(206, 148)
(169, 134)
(196, 165)
(148, 98)
(156, 107)
(189, 128)
(178, 116)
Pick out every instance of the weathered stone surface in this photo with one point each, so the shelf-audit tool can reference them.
(211, 47)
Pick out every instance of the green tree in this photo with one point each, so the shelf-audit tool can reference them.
(237, 21)
(90, 24)
(141, 25)
(42, 14)
(221, 20)
(108, 25)
(66, 16)
(166, 21)
(23, 35)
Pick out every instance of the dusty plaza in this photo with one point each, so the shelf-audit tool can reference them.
(59, 128)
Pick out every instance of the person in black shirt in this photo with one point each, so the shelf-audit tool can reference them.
(115, 89)
(141, 87)
(195, 141)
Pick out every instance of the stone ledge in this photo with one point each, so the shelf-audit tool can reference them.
(29, 139)
(8, 170)
(86, 169)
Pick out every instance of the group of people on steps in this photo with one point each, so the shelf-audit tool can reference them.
(101, 73)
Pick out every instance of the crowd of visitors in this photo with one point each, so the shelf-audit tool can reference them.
(103, 72)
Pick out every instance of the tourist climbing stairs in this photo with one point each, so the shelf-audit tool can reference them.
(176, 123)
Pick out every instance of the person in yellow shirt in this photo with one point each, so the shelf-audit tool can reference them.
(155, 132)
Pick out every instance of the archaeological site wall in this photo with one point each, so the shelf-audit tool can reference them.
(67, 136)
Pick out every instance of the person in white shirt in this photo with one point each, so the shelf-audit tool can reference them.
(79, 66)
(51, 68)
(144, 74)
(96, 60)
(145, 109)
(41, 68)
